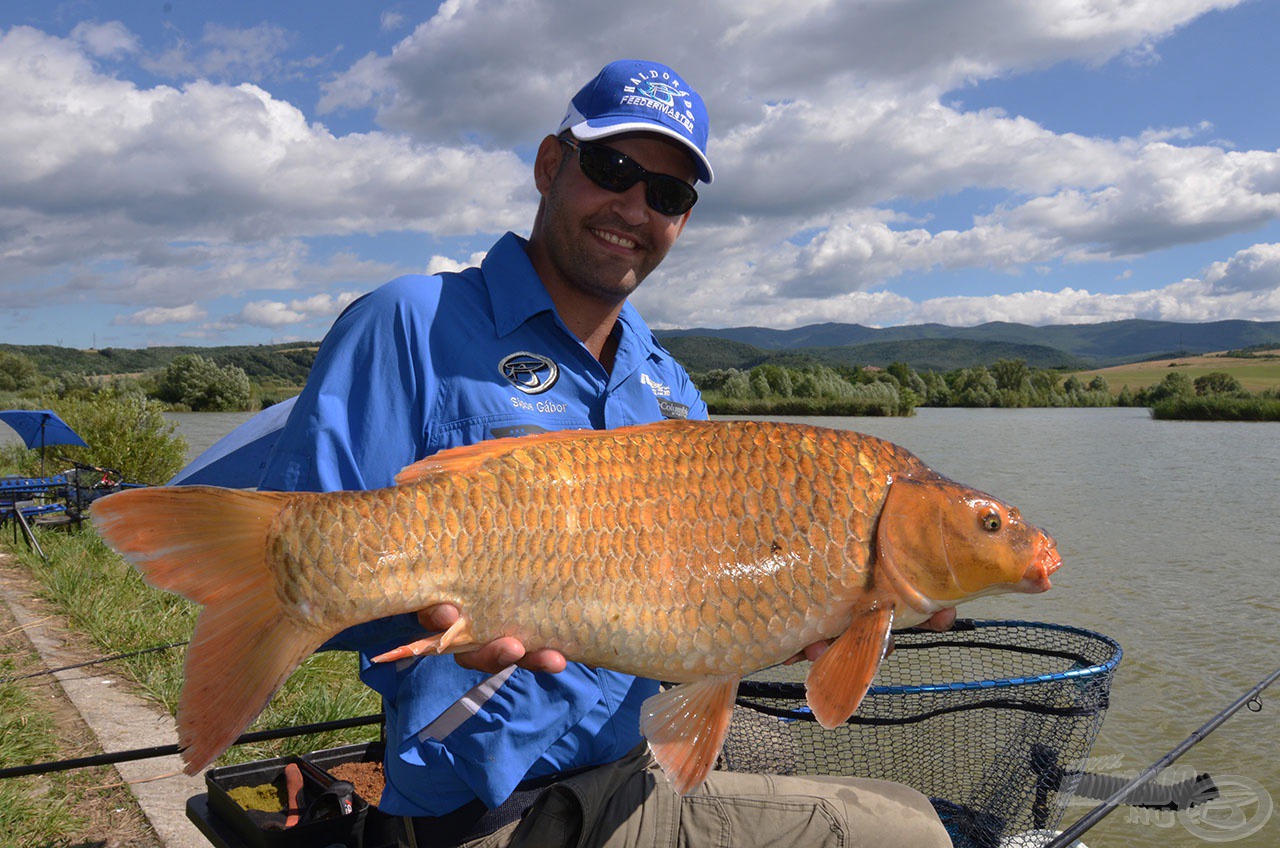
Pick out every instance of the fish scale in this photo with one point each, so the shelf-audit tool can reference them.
(691, 552)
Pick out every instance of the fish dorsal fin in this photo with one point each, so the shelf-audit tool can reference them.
(686, 727)
(466, 459)
(841, 676)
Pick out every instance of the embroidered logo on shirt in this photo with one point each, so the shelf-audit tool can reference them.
(659, 389)
(531, 373)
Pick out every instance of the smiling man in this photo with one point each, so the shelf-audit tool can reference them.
(526, 748)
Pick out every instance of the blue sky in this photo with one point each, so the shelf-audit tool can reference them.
(235, 173)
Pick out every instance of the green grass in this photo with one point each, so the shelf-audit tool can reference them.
(105, 600)
(36, 810)
(1256, 374)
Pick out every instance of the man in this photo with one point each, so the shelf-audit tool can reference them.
(541, 337)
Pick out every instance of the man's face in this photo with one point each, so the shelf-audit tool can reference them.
(598, 242)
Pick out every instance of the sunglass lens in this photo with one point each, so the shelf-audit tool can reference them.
(608, 169)
(615, 171)
(669, 195)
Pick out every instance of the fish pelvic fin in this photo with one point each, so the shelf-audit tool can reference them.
(839, 678)
(210, 546)
(457, 640)
(686, 727)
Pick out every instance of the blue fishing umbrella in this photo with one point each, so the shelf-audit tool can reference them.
(41, 427)
(237, 459)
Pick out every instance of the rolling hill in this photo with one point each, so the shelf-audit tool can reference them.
(941, 348)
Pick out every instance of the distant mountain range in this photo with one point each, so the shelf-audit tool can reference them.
(941, 348)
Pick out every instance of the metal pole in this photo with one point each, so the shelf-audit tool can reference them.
(1104, 809)
(170, 750)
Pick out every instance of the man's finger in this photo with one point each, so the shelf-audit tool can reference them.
(438, 617)
(941, 621)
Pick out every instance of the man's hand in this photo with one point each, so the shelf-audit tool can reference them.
(496, 655)
(940, 621)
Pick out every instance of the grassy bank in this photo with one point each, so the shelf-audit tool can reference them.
(104, 601)
(1217, 408)
(800, 406)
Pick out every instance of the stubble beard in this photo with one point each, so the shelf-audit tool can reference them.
(580, 267)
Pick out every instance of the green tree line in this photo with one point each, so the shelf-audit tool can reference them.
(235, 380)
(1008, 383)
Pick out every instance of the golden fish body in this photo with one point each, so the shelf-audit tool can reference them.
(692, 552)
(713, 549)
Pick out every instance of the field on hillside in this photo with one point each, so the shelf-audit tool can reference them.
(1254, 373)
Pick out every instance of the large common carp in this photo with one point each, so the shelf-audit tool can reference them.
(692, 552)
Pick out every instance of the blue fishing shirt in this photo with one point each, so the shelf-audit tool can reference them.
(426, 363)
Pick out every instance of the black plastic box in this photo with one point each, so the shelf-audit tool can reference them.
(342, 830)
(379, 828)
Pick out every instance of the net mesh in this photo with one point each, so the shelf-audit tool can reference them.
(985, 720)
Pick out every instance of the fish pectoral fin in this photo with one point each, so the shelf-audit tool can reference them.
(841, 676)
(457, 637)
(686, 726)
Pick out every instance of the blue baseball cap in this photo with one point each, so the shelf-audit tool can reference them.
(636, 96)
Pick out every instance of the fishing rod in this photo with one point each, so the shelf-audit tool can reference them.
(170, 750)
(1098, 813)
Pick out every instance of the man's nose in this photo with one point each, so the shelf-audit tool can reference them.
(632, 206)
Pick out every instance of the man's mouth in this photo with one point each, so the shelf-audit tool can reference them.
(615, 239)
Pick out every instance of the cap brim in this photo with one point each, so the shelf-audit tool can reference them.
(597, 128)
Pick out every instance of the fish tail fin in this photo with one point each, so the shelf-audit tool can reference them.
(239, 656)
(210, 546)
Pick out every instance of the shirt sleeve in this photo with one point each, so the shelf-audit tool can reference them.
(687, 393)
(362, 415)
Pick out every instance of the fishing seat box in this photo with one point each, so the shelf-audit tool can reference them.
(228, 825)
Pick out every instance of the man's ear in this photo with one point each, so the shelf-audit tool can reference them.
(547, 163)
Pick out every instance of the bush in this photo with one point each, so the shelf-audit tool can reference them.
(1174, 385)
(17, 372)
(1219, 383)
(203, 386)
(124, 431)
(128, 432)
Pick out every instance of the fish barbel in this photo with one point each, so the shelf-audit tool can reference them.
(690, 552)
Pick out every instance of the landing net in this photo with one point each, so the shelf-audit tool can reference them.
(990, 720)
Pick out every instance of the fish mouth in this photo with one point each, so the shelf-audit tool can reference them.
(1036, 578)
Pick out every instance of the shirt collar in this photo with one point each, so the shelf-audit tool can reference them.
(515, 292)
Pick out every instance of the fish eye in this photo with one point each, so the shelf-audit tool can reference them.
(990, 519)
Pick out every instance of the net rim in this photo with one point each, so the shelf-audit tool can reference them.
(763, 688)
(1093, 670)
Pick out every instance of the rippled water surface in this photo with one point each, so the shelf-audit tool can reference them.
(1170, 532)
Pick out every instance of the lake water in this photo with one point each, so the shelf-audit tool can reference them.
(1170, 533)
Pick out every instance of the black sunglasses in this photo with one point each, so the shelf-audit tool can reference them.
(615, 171)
